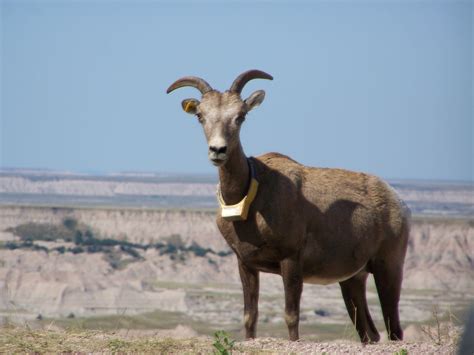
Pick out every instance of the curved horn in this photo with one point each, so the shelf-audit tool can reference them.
(198, 83)
(245, 77)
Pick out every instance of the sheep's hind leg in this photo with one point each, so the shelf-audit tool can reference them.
(250, 286)
(293, 284)
(388, 279)
(353, 292)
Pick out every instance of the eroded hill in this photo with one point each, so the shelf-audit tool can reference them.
(90, 262)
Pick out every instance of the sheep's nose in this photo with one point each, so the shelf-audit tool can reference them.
(218, 150)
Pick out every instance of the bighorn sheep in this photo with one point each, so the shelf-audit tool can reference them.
(313, 225)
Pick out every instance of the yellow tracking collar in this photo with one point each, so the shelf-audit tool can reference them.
(239, 211)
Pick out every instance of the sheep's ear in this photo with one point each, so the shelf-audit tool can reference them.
(255, 99)
(190, 106)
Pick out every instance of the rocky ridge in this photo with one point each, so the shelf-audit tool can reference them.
(438, 270)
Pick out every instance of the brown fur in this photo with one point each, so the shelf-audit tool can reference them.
(322, 226)
(308, 225)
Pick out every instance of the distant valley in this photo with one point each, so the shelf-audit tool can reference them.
(96, 249)
(192, 191)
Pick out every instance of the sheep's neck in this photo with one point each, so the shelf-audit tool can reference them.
(234, 177)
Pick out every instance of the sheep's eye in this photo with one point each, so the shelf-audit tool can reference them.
(199, 117)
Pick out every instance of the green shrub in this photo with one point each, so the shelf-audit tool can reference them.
(223, 343)
(175, 240)
(130, 251)
(85, 240)
(42, 231)
(76, 250)
(199, 250)
(70, 223)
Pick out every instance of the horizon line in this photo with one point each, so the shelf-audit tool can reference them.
(144, 173)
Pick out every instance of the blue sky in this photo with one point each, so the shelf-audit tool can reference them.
(378, 86)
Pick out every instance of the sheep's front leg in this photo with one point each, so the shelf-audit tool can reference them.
(293, 282)
(250, 285)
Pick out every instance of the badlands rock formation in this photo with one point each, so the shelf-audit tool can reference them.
(440, 258)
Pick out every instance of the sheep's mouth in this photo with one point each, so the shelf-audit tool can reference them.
(217, 161)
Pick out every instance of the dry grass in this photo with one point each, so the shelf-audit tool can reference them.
(14, 339)
(25, 340)
(441, 335)
(444, 329)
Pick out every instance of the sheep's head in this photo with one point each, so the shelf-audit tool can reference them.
(221, 114)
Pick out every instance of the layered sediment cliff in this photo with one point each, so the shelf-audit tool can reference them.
(440, 257)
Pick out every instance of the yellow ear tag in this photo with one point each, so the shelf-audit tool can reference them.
(190, 106)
